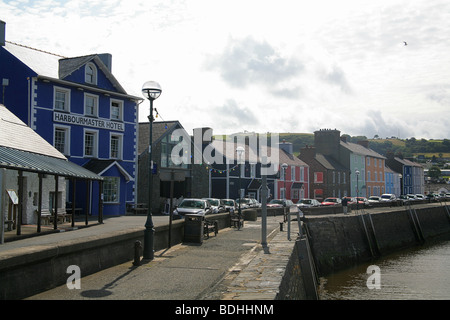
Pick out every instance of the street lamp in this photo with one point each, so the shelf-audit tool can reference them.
(357, 188)
(240, 151)
(151, 90)
(284, 167)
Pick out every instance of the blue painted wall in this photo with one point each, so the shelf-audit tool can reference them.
(31, 98)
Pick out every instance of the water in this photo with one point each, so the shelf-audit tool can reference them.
(421, 273)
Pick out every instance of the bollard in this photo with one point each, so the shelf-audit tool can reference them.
(281, 226)
(137, 253)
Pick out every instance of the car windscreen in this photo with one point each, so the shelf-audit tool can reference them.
(192, 204)
(214, 202)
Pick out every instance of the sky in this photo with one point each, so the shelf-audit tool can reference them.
(264, 66)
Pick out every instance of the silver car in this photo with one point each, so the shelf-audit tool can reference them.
(192, 206)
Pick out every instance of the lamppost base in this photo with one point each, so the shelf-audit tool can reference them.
(148, 252)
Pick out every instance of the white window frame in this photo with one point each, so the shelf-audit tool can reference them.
(87, 74)
(96, 100)
(66, 99)
(105, 190)
(120, 103)
(66, 129)
(95, 145)
(120, 151)
(293, 173)
(252, 170)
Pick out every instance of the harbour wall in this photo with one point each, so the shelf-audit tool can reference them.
(340, 241)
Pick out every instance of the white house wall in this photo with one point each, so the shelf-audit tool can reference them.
(31, 193)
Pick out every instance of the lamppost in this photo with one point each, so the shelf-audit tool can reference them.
(150, 90)
(284, 167)
(240, 151)
(357, 188)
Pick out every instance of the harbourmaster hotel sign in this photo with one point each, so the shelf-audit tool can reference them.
(87, 121)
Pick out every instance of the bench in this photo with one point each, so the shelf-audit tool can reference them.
(11, 224)
(45, 216)
(236, 221)
(48, 215)
(210, 226)
(137, 208)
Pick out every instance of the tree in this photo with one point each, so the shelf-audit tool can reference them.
(434, 172)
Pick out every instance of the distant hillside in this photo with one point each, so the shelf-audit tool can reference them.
(408, 147)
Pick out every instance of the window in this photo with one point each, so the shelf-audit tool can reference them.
(292, 173)
(90, 144)
(282, 193)
(61, 99)
(61, 139)
(91, 74)
(167, 145)
(111, 189)
(252, 170)
(302, 174)
(116, 147)
(91, 105)
(318, 177)
(116, 110)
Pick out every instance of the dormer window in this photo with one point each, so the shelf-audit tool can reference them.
(91, 74)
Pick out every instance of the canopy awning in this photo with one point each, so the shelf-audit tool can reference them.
(15, 159)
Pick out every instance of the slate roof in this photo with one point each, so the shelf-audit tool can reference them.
(17, 135)
(329, 163)
(228, 149)
(55, 66)
(160, 129)
(21, 148)
(359, 149)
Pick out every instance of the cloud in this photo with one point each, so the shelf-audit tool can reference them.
(246, 62)
(234, 115)
(336, 76)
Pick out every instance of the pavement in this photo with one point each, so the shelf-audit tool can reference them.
(230, 266)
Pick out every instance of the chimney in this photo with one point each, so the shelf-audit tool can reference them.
(364, 143)
(107, 60)
(2, 33)
(287, 147)
(307, 153)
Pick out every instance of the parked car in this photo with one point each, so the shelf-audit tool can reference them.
(420, 197)
(308, 203)
(374, 199)
(229, 205)
(431, 197)
(388, 197)
(256, 203)
(364, 201)
(350, 200)
(274, 203)
(403, 198)
(245, 203)
(331, 201)
(411, 197)
(192, 206)
(215, 205)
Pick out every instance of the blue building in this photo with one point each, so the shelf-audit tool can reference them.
(79, 107)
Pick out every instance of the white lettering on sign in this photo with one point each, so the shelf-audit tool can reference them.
(87, 121)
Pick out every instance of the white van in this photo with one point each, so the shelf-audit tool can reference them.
(388, 197)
